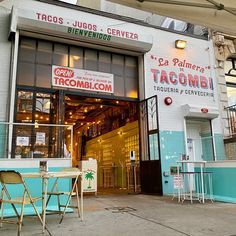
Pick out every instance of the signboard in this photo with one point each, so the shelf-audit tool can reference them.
(22, 141)
(66, 77)
(178, 181)
(43, 166)
(84, 24)
(89, 175)
(90, 28)
(40, 138)
(174, 170)
(179, 76)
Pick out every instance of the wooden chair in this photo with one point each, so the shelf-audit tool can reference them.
(11, 177)
(74, 192)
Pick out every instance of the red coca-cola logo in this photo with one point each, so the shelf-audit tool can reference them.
(64, 72)
(204, 110)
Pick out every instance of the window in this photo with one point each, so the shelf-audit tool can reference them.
(104, 62)
(60, 55)
(76, 57)
(230, 77)
(40, 107)
(44, 53)
(36, 58)
(90, 60)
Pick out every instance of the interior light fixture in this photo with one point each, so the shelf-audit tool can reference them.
(180, 44)
(120, 132)
(76, 58)
(36, 126)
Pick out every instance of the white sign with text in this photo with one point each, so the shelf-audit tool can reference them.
(22, 141)
(82, 79)
(40, 138)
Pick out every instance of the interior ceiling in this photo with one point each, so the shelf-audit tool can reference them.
(219, 15)
(83, 109)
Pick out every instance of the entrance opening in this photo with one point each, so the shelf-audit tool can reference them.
(200, 143)
(107, 131)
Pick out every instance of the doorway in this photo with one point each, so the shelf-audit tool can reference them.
(200, 142)
(150, 163)
(106, 130)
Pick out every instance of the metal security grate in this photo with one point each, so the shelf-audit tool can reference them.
(120, 209)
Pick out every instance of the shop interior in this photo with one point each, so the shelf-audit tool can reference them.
(105, 130)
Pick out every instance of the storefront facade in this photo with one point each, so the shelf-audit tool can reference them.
(166, 98)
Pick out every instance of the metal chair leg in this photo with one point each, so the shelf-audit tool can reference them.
(77, 198)
(2, 208)
(68, 200)
(21, 215)
(58, 197)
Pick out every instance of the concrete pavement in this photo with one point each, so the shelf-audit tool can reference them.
(140, 214)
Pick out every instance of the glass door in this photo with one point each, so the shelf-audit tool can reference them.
(150, 164)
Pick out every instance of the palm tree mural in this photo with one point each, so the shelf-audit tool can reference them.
(89, 176)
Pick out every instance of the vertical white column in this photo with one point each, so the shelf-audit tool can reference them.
(202, 182)
(71, 145)
(13, 91)
(185, 137)
(213, 141)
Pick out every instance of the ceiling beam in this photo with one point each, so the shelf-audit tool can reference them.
(180, 3)
(213, 5)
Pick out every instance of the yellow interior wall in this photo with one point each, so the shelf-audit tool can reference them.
(112, 150)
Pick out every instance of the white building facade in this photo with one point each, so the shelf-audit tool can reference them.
(175, 90)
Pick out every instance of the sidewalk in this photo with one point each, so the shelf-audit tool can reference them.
(111, 215)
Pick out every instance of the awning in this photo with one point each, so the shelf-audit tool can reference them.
(27, 20)
(199, 112)
(219, 15)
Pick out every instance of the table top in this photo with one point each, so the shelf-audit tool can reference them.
(58, 174)
(194, 162)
